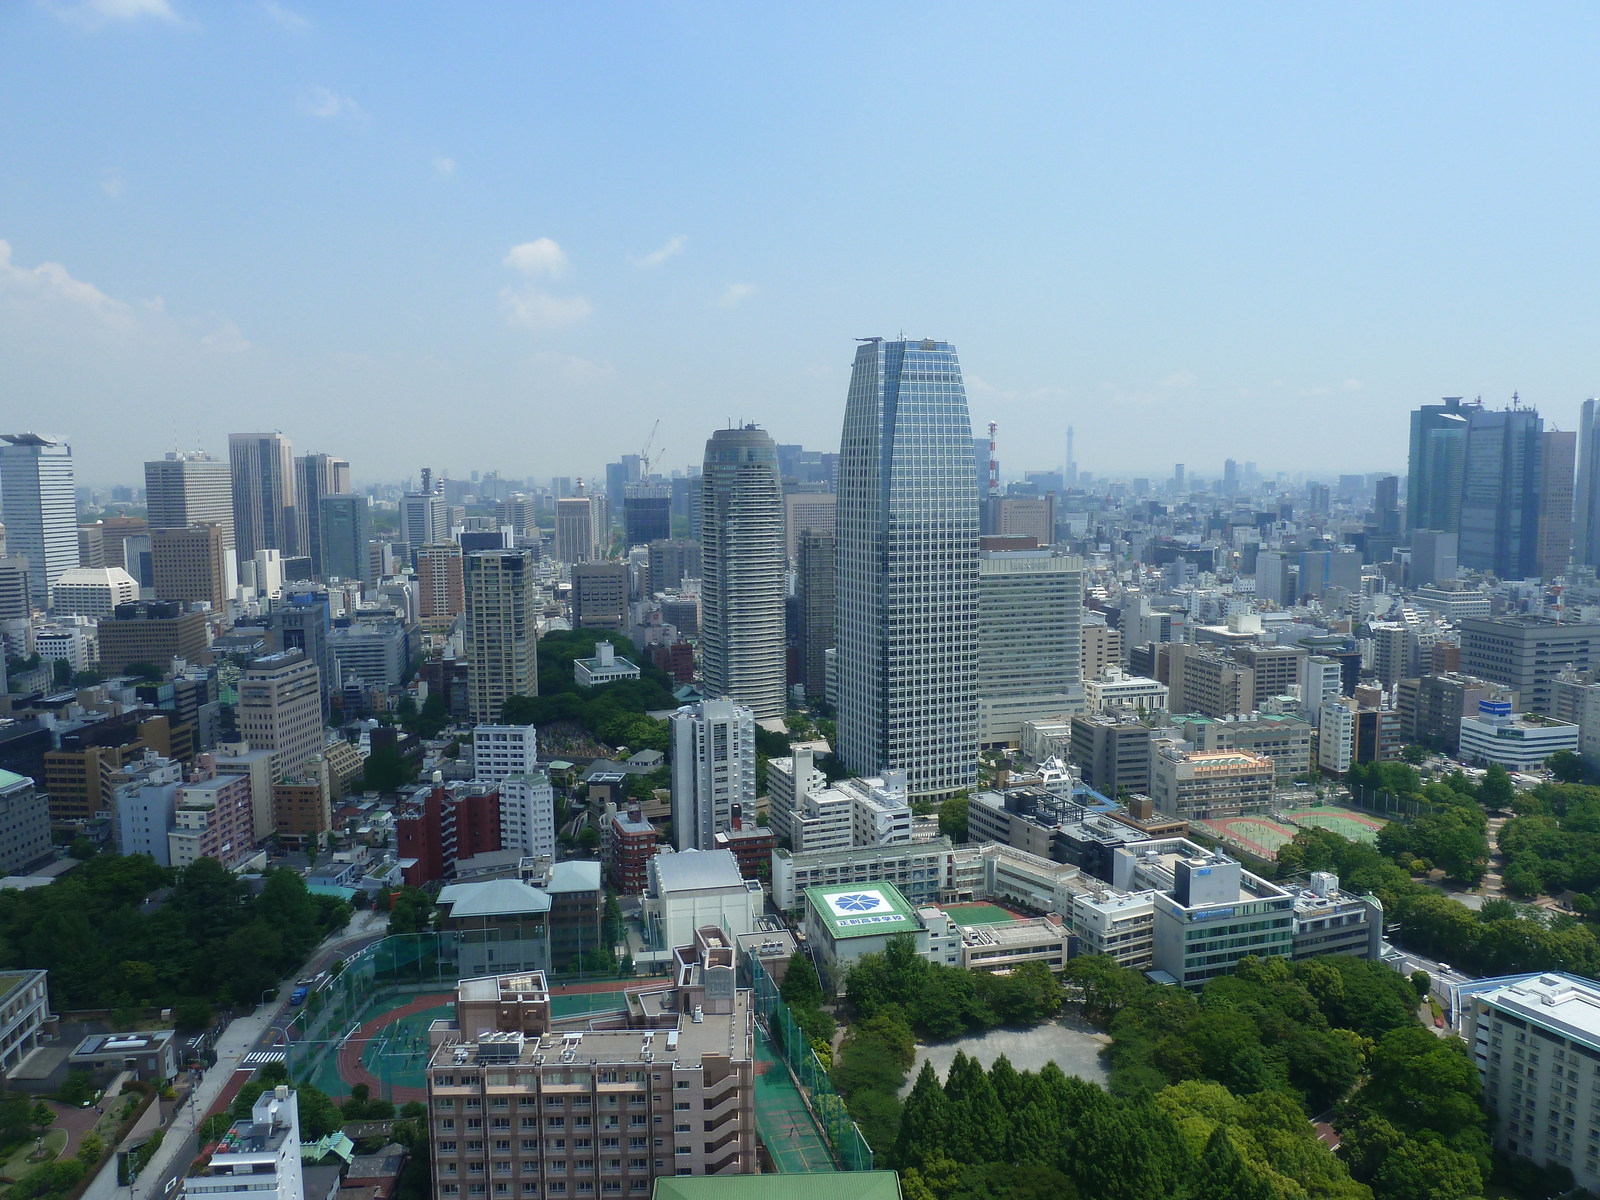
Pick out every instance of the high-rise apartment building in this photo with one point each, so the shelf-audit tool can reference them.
(1030, 651)
(1500, 492)
(441, 590)
(1102, 648)
(264, 516)
(39, 508)
(502, 647)
(1586, 501)
(742, 566)
(280, 709)
(817, 598)
(713, 769)
(600, 595)
(185, 489)
(346, 539)
(907, 574)
(316, 476)
(192, 564)
(263, 1147)
(1558, 461)
(1436, 466)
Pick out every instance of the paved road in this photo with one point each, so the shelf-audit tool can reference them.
(246, 1034)
(1441, 974)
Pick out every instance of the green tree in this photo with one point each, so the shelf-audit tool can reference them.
(800, 983)
(42, 1115)
(1427, 1169)
(925, 1122)
(91, 1149)
(953, 818)
(1566, 766)
(1223, 1174)
(1496, 791)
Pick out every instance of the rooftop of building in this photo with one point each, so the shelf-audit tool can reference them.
(1008, 934)
(696, 870)
(494, 898)
(1566, 1004)
(97, 1044)
(851, 854)
(694, 1038)
(863, 910)
(519, 986)
(1206, 761)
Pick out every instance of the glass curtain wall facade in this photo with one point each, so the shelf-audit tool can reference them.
(1438, 455)
(1500, 493)
(907, 569)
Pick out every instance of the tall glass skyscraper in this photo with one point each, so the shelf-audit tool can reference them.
(907, 572)
(1437, 463)
(1501, 493)
(1586, 504)
(742, 566)
(264, 516)
(40, 509)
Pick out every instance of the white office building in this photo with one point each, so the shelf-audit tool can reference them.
(92, 591)
(713, 769)
(528, 813)
(1536, 1041)
(501, 750)
(1516, 741)
(1336, 737)
(39, 508)
(607, 666)
(1117, 691)
(694, 889)
(1030, 640)
(189, 488)
(907, 576)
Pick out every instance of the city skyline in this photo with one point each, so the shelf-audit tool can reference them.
(1255, 239)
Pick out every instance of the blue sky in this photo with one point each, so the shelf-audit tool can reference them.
(511, 237)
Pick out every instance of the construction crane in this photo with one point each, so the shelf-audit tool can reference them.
(647, 465)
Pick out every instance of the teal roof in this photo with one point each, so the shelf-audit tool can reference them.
(863, 909)
(832, 1185)
(329, 889)
(11, 779)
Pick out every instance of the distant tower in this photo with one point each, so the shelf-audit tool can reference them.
(502, 651)
(1070, 475)
(40, 508)
(264, 516)
(907, 575)
(742, 572)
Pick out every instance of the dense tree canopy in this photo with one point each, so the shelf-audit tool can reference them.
(208, 939)
(613, 712)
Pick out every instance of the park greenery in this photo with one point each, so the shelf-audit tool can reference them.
(613, 713)
(1552, 845)
(122, 932)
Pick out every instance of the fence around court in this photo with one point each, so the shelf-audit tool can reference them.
(850, 1149)
(376, 979)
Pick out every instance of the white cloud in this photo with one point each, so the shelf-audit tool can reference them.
(327, 104)
(539, 257)
(444, 167)
(111, 182)
(285, 18)
(533, 309)
(1181, 379)
(736, 294)
(656, 257)
(49, 299)
(92, 14)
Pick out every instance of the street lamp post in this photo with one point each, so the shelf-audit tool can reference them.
(266, 992)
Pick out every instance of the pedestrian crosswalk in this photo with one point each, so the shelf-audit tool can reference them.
(261, 1058)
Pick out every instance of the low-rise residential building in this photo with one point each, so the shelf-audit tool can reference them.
(151, 1056)
(1536, 1041)
(1516, 741)
(607, 666)
(1202, 785)
(212, 818)
(577, 906)
(627, 844)
(528, 813)
(1120, 925)
(750, 844)
(302, 806)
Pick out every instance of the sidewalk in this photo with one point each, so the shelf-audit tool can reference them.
(239, 1039)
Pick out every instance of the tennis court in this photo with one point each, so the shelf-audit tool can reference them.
(1357, 826)
(978, 914)
(1260, 836)
(782, 1119)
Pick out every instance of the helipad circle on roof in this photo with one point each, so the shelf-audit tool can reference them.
(858, 902)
